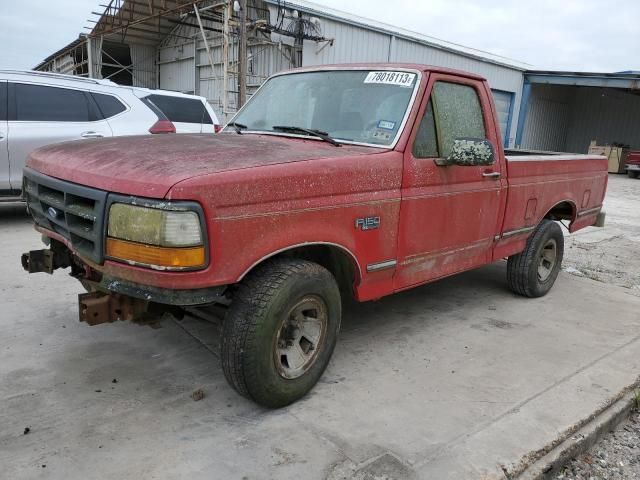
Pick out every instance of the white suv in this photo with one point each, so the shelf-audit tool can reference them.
(38, 109)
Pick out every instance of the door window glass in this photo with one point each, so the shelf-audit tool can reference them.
(458, 114)
(53, 104)
(425, 144)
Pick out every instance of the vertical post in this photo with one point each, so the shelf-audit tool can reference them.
(89, 58)
(242, 55)
(196, 70)
(391, 54)
(225, 61)
(522, 113)
(204, 39)
(298, 42)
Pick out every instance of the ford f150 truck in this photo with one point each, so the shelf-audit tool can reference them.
(331, 182)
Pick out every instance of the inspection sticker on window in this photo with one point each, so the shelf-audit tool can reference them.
(386, 124)
(401, 79)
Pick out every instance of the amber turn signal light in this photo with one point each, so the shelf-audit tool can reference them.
(154, 256)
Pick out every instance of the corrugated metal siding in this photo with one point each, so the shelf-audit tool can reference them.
(605, 115)
(185, 66)
(176, 66)
(567, 118)
(353, 43)
(499, 77)
(503, 101)
(548, 118)
(143, 58)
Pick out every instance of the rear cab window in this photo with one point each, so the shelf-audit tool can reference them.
(181, 110)
(454, 111)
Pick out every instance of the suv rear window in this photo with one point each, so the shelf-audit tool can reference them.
(52, 104)
(3, 100)
(186, 110)
(108, 105)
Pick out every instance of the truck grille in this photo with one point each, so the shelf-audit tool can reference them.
(72, 211)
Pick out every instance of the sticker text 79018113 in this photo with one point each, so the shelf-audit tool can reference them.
(401, 79)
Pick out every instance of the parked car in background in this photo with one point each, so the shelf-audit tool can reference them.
(38, 108)
(633, 164)
(188, 113)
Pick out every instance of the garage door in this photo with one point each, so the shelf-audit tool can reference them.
(503, 102)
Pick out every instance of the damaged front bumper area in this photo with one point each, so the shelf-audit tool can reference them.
(111, 299)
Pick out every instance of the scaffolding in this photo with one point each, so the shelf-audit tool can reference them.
(148, 43)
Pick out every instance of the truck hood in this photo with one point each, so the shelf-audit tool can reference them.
(149, 165)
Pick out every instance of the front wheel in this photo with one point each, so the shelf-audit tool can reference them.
(533, 271)
(280, 331)
(633, 173)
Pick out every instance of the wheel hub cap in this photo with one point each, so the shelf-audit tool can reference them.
(548, 259)
(300, 337)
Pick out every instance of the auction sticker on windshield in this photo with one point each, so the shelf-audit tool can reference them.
(402, 79)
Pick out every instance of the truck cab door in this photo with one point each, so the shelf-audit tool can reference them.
(5, 184)
(40, 115)
(449, 214)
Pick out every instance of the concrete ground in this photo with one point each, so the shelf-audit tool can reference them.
(611, 254)
(458, 379)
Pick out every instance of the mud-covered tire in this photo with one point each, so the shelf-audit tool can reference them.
(262, 309)
(530, 273)
(632, 174)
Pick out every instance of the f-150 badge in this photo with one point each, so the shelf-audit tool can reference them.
(368, 223)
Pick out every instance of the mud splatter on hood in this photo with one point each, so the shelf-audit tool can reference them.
(150, 165)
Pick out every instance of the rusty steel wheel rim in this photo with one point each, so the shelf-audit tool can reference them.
(301, 337)
(548, 259)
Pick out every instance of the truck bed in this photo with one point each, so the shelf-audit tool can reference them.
(538, 181)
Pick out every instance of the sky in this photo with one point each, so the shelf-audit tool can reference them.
(577, 35)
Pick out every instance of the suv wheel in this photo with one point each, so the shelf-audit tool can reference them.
(280, 331)
(533, 271)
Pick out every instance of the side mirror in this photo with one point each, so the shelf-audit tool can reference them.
(470, 152)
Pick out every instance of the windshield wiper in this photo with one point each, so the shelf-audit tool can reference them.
(310, 131)
(237, 126)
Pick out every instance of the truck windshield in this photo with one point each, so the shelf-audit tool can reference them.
(359, 106)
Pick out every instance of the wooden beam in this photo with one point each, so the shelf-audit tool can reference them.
(177, 9)
(242, 55)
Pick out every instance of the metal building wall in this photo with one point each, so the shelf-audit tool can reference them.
(353, 43)
(548, 118)
(604, 114)
(185, 65)
(566, 118)
(143, 71)
(350, 44)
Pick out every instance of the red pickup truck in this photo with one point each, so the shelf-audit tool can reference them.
(331, 182)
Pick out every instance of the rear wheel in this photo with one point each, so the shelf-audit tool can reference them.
(533, 271)
(280, 331)
(632, 173)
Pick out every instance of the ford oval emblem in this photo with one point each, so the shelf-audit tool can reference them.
(53, 213)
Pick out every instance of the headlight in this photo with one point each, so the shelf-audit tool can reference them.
(155, 237)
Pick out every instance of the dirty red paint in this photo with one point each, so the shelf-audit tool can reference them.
(264, 194)
(633, 158)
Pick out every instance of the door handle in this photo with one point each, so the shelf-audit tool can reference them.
(494, 175)
(91, 134)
